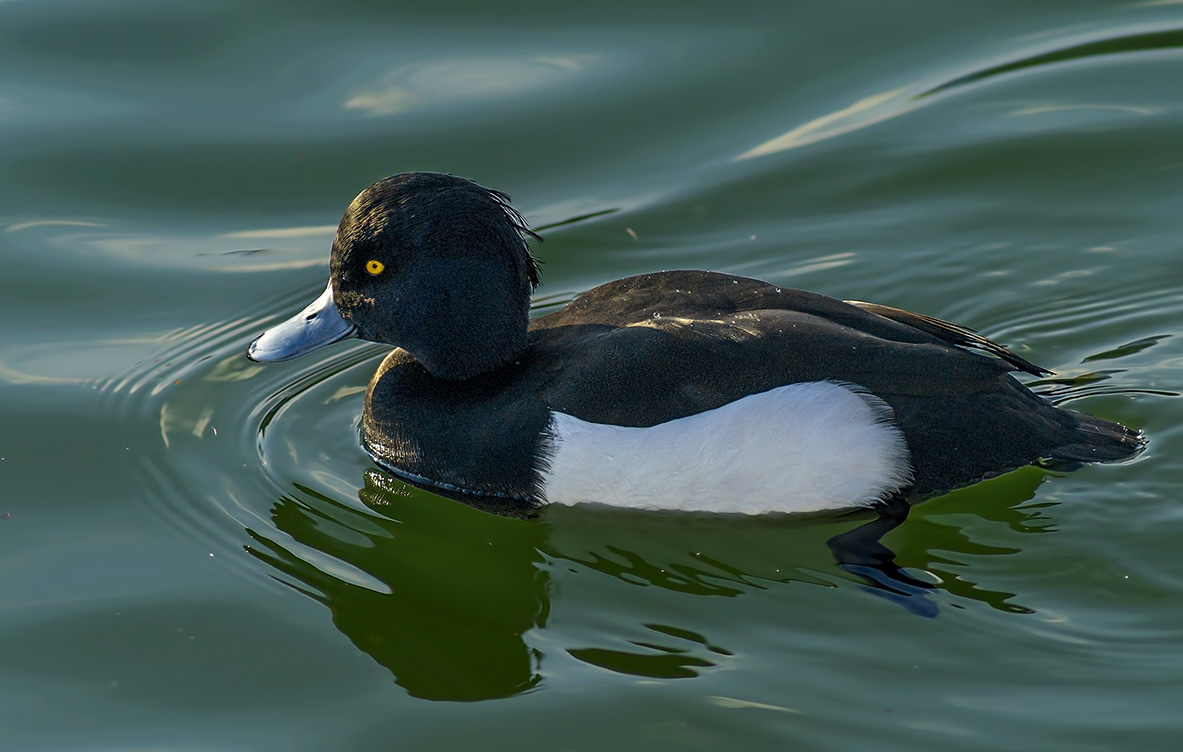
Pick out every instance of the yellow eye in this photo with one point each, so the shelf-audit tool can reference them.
(375, 267)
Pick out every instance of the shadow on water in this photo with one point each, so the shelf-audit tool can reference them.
(447, 597)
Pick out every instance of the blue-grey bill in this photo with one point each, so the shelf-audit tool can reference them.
(317, 325)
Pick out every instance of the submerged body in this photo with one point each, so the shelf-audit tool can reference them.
(674, 390)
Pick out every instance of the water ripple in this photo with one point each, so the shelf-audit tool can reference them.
(885, 105)
(1133, 42)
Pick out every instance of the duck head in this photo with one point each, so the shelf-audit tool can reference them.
(434, 264)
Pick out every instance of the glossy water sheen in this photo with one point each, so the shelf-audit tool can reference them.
(195, 553)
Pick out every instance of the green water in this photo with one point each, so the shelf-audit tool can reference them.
(195, 553)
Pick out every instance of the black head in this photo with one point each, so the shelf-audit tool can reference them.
(438, 266)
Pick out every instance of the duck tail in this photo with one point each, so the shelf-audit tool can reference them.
(1093, 439)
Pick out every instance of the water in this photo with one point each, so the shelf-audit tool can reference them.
(195, 553)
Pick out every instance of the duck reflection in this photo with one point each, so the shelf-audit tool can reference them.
(449, 600)
(454, 601)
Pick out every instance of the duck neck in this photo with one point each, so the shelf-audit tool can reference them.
(469, 328)
(464, 354)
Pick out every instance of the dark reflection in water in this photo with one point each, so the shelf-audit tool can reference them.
(445, 596)
(460, 595)
(947, 546)
(1061, 389)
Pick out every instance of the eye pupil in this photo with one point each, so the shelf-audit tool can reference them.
(374, 267)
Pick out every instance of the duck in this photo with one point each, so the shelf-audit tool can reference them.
(686, 390)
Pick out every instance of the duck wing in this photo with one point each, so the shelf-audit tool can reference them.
(714, 295)
(954, 334)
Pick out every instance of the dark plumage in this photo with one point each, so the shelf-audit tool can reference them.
(464, 405)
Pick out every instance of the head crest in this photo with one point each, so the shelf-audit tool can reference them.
(524, 232)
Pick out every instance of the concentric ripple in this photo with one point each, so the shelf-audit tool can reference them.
(198, 403)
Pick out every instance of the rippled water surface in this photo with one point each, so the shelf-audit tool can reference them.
(196, 554)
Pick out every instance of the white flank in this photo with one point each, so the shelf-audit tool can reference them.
(797, 448)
